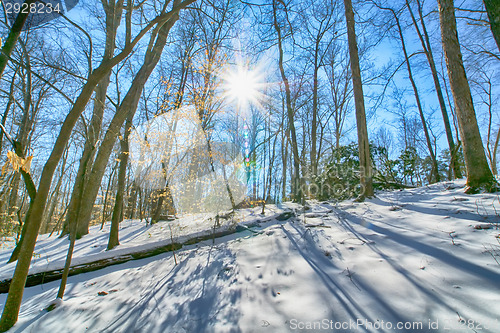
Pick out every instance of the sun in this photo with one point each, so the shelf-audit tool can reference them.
(242, 85)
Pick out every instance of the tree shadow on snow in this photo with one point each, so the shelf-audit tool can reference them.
(195, 296)
(466, 213)
(485, 275)
(340, 288)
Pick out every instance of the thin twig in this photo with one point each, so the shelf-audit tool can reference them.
(349, 274)
(452, 238)
(494, 252)
(7, 134)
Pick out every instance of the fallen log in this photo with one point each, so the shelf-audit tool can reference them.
(48, 276)
(392, 185)
(52, 275)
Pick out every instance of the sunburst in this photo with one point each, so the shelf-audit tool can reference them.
(243, 86)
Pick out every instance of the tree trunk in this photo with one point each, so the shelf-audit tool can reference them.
(426, 45)
(89, 151)
(107, 150)
(157, 204)
(297, 194)
(478, 172)
(435, 171)
(314, 122)
(122, 173)
(284, 160)
(493, 10)
(132, 200)
(55, 196)
(31, 189)
(13, 302)
(111, 180)
(12, 38)
(13, 197)
(20, 147)
(128, 106)
(363, 143)
(272, 156)
(10, 102)
(495, 150)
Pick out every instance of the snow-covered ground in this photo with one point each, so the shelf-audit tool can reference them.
(135, 236)
(405, 261)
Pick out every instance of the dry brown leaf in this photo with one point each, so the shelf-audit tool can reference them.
(17, 162)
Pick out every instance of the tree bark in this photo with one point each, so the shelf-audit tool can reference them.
(478, 172)
(54, 197)
(493, 10)
(88, 153)
(13, 302)
(495, 150)
(111, 180)
(426, 45)
(132, 200)
(122, 173)
(297, 194)
(128, 106)
(13, 37)
(435, 171)
(314, 122)
(20, 146)
(363, 143)
(267, 196)
(113, 19)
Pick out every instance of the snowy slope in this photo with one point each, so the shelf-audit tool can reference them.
(405, 261)
(135, 236)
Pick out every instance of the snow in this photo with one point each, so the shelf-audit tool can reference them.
(135, 235)
(389, 264)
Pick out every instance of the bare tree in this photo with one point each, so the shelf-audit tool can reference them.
(13, 37)
(128, 105)
(33, 93)
(339, 78)
(426, 45)
(122, 172)
(319, 30)
(13, 302)
(363, 143)
(485, 87)
(435, 171)
(478, 172)
(297, 180)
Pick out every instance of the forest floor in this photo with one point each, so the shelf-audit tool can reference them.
(416, 260)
